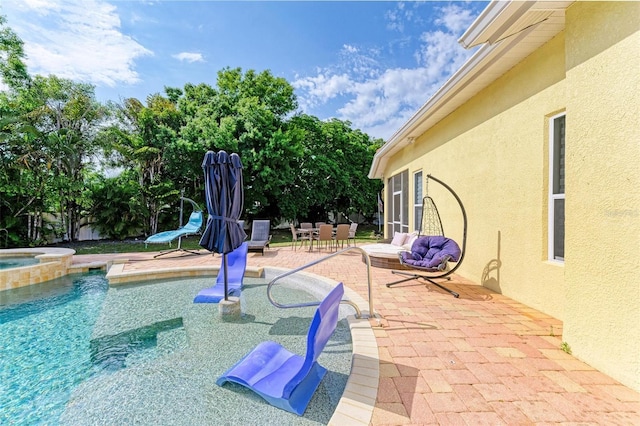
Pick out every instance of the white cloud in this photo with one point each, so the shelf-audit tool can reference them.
(403, 15)
(395, 91)
(41, 7)
(76, 39)
(378, 100)
(349, 48)
(189, 57)
(455, 18)
(321, 88)
(394, 21)
(440, 53)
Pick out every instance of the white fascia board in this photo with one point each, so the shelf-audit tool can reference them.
(483, 22)
(502, 19)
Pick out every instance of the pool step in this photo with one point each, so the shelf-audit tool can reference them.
(79, 268)
(117, 275)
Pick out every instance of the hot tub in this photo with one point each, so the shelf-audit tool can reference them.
(51, 263)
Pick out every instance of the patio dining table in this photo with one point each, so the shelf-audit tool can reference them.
(309, 233)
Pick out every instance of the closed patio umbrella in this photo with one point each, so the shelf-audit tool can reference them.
(224, 194)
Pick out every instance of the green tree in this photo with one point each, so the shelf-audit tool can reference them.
(14, 129)
(332, 175)
(245, 113)
(117, 209)
(13, 70)
(67, 114)
(23, 179)
(353, 153)
(141, 138)
(48, 129)
(294, 165)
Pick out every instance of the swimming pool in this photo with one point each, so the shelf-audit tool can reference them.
(144, 353)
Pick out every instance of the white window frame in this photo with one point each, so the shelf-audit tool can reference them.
(555, 195)
(417, 200)
(397, 204)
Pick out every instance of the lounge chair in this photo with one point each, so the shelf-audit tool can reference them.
(287, 380)
(192, 227)
(260, 237)
(236, 266)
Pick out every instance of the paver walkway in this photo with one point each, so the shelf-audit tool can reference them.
(480, 359)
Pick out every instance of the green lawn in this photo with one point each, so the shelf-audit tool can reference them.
(280, 237)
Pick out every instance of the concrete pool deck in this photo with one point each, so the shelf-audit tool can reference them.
(480, 359)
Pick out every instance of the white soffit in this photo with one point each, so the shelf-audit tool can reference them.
(503, 19)
(509, 32)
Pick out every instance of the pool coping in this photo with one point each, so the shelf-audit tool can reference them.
(40, 252)
(359, 397)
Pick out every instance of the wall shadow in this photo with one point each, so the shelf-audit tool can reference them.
(491, 272)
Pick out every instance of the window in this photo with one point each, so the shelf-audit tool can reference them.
(556, 187)
(417, 200)
(397, 213)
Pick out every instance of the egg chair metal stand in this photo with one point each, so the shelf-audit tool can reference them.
(435, 256)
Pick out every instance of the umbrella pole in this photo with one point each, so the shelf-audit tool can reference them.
(226, 276)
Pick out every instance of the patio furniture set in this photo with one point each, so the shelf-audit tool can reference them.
(322, 234)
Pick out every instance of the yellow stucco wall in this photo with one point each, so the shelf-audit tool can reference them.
(602, 272)
(493, 151)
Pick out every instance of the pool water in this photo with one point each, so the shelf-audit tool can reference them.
(43, 346)
(79, 352)
(9, 262)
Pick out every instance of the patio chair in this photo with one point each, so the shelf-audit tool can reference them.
(306, 225)
(192, 227)
(260, 237)
(236, 266)
(284, 379)
(352, 233)
(296, 236)
(325, 234)
(342, 235)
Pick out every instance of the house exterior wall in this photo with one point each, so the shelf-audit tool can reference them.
(494, 152)
(602, 271)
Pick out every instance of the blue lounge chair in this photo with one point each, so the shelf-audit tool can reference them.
(192, 227)
(287, 380)
(236, 265)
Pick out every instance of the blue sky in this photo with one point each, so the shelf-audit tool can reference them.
(373, 63)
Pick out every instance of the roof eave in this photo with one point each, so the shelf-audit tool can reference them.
(490, 25)
(496, 28)
(404, 136)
